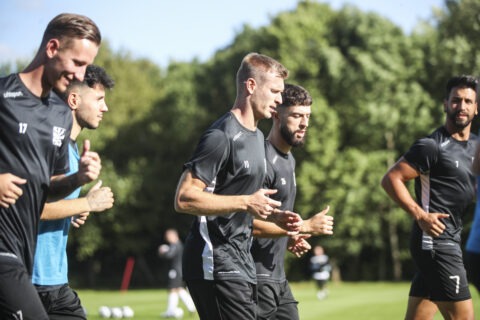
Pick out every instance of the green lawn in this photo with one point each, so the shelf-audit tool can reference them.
(359, 301)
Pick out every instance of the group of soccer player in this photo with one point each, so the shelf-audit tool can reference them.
(242, 190)
(240, 187)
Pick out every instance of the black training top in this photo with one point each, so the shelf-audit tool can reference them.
(174, 256)
(230, 160)
(267, 253)
(446, 184)
(34, 146)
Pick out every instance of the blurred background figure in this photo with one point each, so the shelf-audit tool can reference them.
(472, 252)
(172, 252)
(320, 268)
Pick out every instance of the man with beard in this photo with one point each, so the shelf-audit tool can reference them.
(441, 165)
(290, 123)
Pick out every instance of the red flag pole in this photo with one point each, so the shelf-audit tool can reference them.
(127, 274)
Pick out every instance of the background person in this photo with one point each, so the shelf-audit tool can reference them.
(472, 249)
(172, 252)
(321, 270)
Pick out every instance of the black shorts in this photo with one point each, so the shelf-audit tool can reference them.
(441, 275)
(174, 279)
(61, 302)
(18, 297)
(224, 300)
(472, 263)
(275, 301)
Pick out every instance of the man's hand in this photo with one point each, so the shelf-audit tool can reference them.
(89, 165)
(287, 220)
(261, 205)
(100, 199)
(79, 220)
(9, 189)
(431, 224)
(319, 224)
(298, 245)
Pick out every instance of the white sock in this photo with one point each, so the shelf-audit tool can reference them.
(172, 303)
(185, 296)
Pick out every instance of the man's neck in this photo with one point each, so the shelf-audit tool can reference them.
(462, 134)
(245, 116)
(32, 78)
(76, 129)
(278, 142)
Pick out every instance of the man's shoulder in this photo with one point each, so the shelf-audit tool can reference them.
(9, 87)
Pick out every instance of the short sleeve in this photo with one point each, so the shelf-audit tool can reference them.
(422, 155)
(210, 156)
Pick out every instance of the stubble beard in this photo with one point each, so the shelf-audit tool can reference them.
(459, 124)
(289, 137)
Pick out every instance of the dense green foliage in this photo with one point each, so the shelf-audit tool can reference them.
(375, 89)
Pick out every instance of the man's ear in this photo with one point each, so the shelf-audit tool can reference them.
(52, 47)
(73, 100)
(250, 85)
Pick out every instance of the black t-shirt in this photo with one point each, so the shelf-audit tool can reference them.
(230, 159)
(34, 146)
(269, 254)
(446, 184)
(174, 256)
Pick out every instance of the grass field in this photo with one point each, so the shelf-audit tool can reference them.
(359, 301)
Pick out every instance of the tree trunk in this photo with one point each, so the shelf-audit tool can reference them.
(392, 225)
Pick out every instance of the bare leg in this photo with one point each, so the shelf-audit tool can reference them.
(456, 310)
(420, 309)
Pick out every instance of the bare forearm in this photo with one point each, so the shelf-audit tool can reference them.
(397, 190)
(265, 229)
(203, 203)
(64, 208)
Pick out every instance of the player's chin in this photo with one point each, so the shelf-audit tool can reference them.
(60, 86)
(269, 114)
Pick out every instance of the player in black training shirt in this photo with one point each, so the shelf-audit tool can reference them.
(222, 186)
(35, 126)
(290, 123)
(172, 252)
(441, 165)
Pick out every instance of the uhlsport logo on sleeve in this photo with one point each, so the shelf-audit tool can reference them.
(58, 136)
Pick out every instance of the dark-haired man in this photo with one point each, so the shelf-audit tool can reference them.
(441, 165)
(289, 130)
(86, 99)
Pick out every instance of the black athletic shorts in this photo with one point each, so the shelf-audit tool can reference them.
(174, 279)
(18, 297)
(472, 263)
(61, 302)
(275, 301)
(441, 275)
(224, 300)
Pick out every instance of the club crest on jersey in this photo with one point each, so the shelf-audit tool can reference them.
(58, 136)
